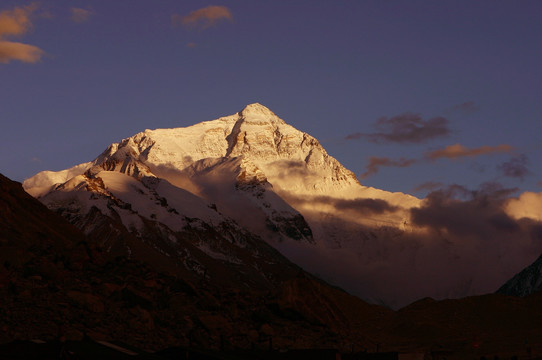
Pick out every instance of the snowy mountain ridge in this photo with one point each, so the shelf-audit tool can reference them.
(252, 173)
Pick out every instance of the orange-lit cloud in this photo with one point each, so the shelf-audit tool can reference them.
(80, 15)
(528, 205)
(203, 18)
(458, 151)
(17, 51)
(17, 22)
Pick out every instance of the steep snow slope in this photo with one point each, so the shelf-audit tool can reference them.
(149, 219)
(44, 181)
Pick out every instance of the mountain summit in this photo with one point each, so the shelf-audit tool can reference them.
(218, 198)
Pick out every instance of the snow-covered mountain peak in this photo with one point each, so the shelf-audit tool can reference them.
(250, 170)
(258, 111)
(284, 154)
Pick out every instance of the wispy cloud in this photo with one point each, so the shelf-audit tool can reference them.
(428, 186)
(513, 168)
(458, 151)
(468, 107)
(405, 128)
(10, 50)
(203, 18)
(376, 162)
(361, 206)
(80, 15)
(516, 167)
(354, 136)
(17, 22)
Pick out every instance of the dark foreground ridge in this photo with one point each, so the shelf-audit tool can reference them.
(104, 350)
(59, 291)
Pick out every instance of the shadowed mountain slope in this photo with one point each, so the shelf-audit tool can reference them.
(58, 285)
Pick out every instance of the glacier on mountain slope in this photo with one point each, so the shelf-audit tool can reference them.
(280, 183)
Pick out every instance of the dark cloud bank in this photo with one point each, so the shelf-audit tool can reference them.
(459, 242)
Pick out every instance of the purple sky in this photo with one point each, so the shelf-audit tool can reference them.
(410, 95)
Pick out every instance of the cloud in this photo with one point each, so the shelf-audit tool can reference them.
(354, 136)
(17, 22)
(516, 167)
(17, 51)
(408, 128)
(480, 216)
(376, 162)
(458, 242)
(527, 205)
(362, 205)
(203, 18)
(428, 186)
(80, 15)
(458, 151)
(468, 107)
(291, 169)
